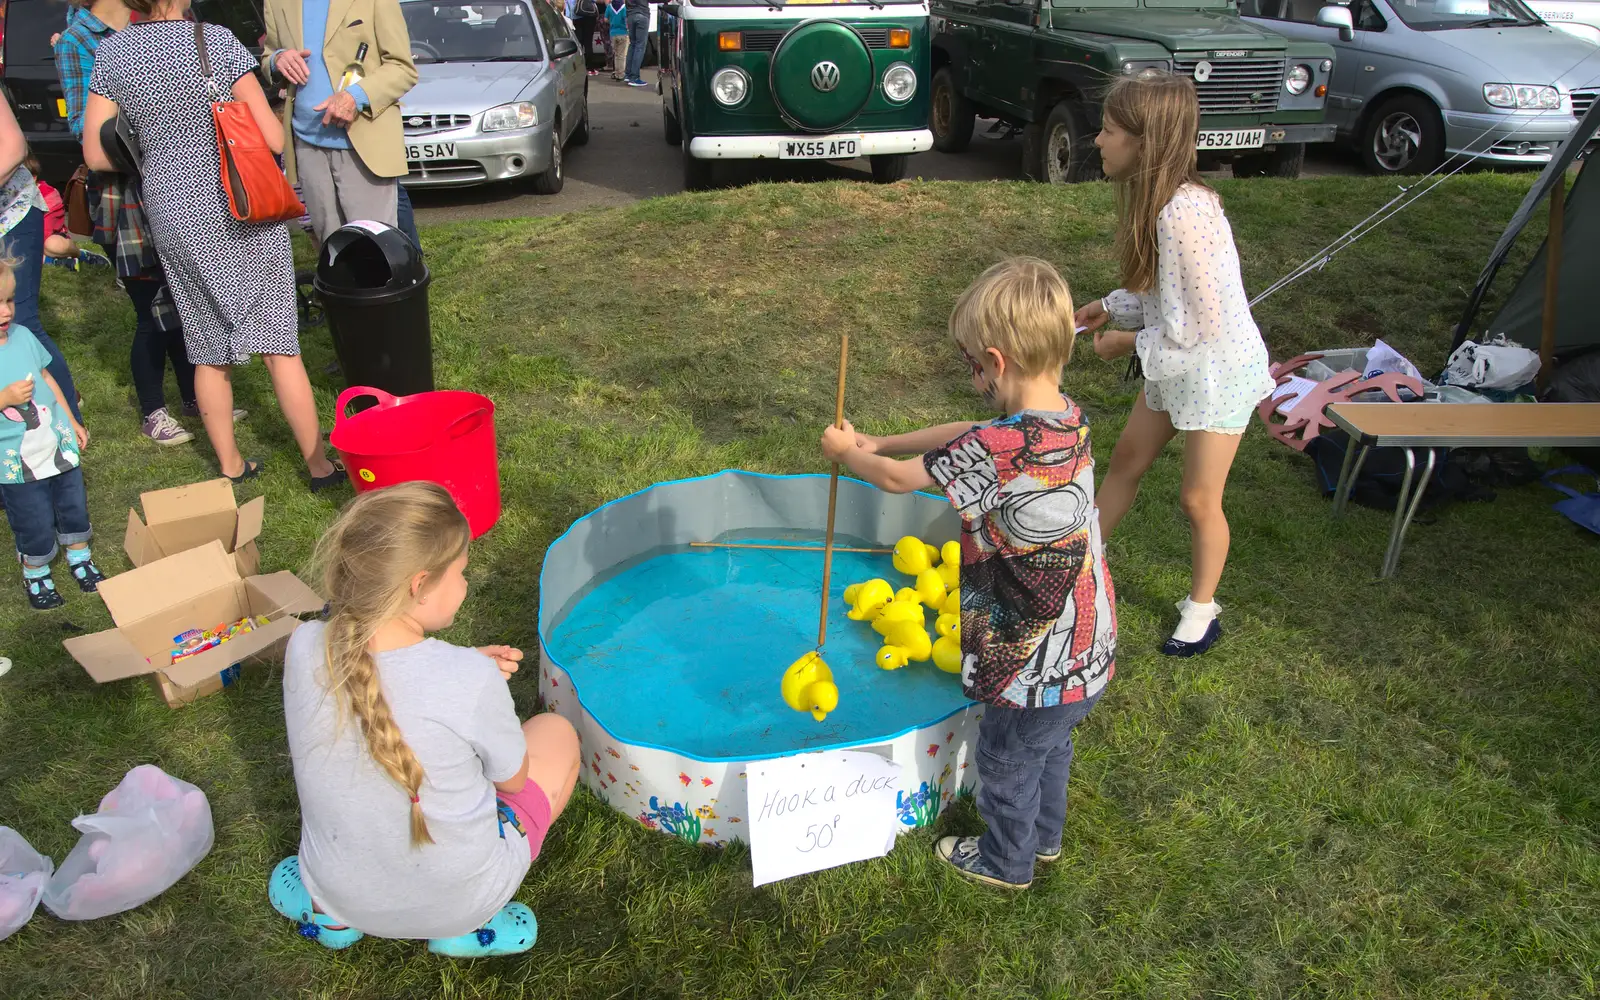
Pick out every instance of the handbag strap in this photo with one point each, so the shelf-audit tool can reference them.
(205, 63)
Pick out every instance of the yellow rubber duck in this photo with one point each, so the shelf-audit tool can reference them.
(908, 594)
(912, 555)
(867, 599)
(898, 612)
(808, 686)
(947, 625)
(910, 637)
(892, 657)
(947, 652)
(931, 588)
(950, 565)
(952, 603)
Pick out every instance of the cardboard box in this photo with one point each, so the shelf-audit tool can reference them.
(197, 588)
(186, 517)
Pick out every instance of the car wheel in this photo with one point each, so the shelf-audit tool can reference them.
(1403, 135)
(696, 173)
(555, 175)
(1286, 161)
(1065, 147)
(950, 115)
(889, 167)
(670, 127)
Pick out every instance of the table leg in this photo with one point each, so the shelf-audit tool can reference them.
(1406, 508)
(1354, 457)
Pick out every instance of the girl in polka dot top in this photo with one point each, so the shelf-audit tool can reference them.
(1204, 363)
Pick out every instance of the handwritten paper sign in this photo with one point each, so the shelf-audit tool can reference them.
(820, 810)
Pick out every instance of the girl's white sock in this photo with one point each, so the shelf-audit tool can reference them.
(1194, 619)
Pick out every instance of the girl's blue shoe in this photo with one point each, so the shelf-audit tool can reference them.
(290, 898)
(1177, 647)
(512, 931)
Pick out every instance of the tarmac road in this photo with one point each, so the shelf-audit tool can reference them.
(627, 160)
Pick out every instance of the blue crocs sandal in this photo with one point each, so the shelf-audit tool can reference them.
(289, 897)
(512, 931)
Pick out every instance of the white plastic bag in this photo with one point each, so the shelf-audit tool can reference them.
(1499, 364)
(149, 831)
(23, 874)
(1382, 358)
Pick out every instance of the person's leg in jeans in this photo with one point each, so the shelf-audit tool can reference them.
(407, 217)
(148, 361)
(638, 39)
(585, 29)
(25, 243)
(71, 503)
(1020, 752)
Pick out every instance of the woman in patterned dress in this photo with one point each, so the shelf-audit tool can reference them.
(233, 282)
(1204, 363)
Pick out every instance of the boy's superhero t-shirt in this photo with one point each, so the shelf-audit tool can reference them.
(1038, 615)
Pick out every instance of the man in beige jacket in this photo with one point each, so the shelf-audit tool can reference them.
(343, 108)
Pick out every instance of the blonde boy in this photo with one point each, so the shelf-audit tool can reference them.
(1038, 618)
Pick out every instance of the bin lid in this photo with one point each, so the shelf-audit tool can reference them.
(366, 256)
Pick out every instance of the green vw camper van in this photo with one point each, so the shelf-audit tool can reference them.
(795, 80)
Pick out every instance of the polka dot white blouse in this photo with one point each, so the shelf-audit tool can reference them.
(1204, 362)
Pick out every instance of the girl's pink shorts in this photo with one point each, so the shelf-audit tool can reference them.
(532, 809)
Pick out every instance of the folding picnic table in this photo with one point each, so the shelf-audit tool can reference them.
(1449, 425)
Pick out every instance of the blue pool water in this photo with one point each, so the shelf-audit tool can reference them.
(685, 650)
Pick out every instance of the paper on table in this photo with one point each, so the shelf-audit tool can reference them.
(820, 810)
(1288, 394)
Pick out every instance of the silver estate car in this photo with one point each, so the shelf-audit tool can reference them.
(1418, 80)
(501, 89)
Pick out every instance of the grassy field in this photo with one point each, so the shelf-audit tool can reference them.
(1369, 789)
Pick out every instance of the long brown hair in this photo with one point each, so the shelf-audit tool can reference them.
(368, 559)
(1162, 111)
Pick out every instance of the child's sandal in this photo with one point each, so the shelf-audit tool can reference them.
(88, 575)
(512, 931)
(289, 897)
(42, 595)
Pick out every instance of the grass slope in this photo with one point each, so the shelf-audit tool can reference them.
(1369, 789)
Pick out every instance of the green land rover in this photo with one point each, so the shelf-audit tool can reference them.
(1042, 66)
(795, 80)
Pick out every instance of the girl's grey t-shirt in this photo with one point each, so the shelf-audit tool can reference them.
(455, 711)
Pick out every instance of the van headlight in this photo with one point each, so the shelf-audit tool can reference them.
(1521, 95)
(1298, 80)
(523, 114)
(899, 83)
(730, 85)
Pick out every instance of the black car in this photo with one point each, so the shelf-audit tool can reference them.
(28, 70)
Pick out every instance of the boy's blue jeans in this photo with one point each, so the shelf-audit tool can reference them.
(1024, 758)
(638, 41)
(46, 514)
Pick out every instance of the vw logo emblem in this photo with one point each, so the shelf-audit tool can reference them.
(1202, 71)
(825, 76)
(413, 121)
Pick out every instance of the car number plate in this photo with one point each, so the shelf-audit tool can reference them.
(821, 149)
(431, 151)
(1241, 138)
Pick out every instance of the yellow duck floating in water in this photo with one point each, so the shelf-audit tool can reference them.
(867, 599)
(898, 612)
(907, 639)
(912, 555)
(950, 565)
(931, 588)
(808, 687)
(947, 651)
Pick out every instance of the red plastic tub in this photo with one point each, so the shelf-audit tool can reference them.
(444, 437)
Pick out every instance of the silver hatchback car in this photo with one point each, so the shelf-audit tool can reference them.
(1418, 80)
(501, 89)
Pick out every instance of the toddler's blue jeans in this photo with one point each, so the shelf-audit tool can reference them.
(1024, 758)
(46, 512)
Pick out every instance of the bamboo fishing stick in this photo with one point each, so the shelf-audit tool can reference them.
(785, 548)
(833, 496)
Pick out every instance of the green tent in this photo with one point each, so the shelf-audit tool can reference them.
(1521, 318)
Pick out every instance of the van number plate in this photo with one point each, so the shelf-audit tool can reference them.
(1242, 138)
(821, 149)
(431, 151)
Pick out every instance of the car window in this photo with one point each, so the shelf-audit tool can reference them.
(242, 17)
(553, 24)
(28, 27)
(1439, 15)
(461, 32)
(1367, 17)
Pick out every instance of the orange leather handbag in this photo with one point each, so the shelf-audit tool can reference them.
(256, 188)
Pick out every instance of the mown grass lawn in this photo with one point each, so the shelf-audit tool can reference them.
(1374, 789)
